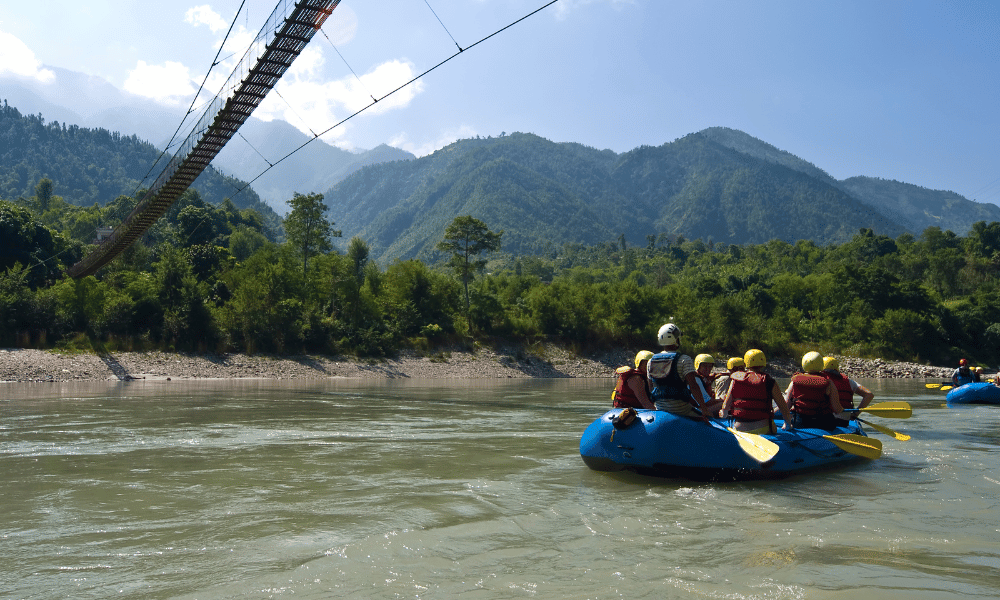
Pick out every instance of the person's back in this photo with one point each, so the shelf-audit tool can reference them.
(631, 389)
(723, 382)
(751, 395)
(811, 396)
(666, 372)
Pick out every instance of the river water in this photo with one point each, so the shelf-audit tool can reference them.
(472, 489)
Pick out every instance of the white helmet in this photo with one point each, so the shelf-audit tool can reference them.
(669, 335)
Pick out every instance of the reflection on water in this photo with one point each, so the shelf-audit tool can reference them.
(413, 489)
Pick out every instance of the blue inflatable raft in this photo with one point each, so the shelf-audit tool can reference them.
(974, 393)
(665, 445)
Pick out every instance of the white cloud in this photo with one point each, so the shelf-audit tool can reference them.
(204, 15)
(313, 105)
(169, 83)
(17, 58)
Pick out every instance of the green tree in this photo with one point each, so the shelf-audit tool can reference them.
(308, 230)
(466, 238)
(43, 193)
(358, 253)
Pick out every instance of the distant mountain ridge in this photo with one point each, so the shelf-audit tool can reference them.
(719, 184)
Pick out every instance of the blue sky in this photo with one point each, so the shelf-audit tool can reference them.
(903, 90)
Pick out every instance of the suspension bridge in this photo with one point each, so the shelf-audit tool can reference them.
(286, 33)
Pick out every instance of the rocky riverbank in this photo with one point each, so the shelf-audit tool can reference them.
(23, 365)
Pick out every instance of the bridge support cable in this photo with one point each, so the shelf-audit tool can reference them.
(286, 33)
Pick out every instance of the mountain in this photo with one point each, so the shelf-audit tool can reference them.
(91, 102)
(914, 207)
(545, 194)
(920, 207)
(89, 166)
(315, 165)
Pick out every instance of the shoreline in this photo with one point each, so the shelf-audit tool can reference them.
(28, 365)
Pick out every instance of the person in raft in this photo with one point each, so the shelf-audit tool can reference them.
(703, 365)
(962, 375)
(672, 377)
(847, 388)
(812, 397)
(723, 381)
(750, 395)
(632, 389)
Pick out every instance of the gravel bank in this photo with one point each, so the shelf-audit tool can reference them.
(20, 365)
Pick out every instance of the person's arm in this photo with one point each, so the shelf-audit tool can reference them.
(866, 395)
(834, 398)
(727, 403)
(692, 382)
(639, 389)
(782, 405)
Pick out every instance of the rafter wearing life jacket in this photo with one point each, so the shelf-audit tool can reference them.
(751, 394)
(624, 396)
(808, 397)
(844, 390)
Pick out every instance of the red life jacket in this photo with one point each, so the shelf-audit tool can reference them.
(809, 394)
(751, 396)
(624, 396)
(843, 385)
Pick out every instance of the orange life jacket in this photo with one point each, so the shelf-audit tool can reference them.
(624, 396)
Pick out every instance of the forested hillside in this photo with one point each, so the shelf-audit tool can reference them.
(95, 166)
(720, 185)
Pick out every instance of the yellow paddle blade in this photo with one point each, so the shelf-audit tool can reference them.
(899, 436)
(891, 410)
(945, 388)
(758, 448)
(857, 444)
(932, 386)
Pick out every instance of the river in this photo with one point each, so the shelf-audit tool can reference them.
(461, 488)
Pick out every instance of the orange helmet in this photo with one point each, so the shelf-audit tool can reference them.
(963, 362)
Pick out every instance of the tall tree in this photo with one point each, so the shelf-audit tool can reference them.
(308, 230)
(43, 193)
(466, 238)
(358, 252)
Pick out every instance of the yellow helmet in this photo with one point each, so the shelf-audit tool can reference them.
(830, 364)
(812, 362)
(641, 356)
(754, 358)
(703, 358)
(735, 363)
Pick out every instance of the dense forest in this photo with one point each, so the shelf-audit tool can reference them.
(718, 184)
(212, 278)
(89, 167)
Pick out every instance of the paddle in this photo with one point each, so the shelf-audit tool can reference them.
(889, 410)
(756, 447)
(857, 444)
(899, 436)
